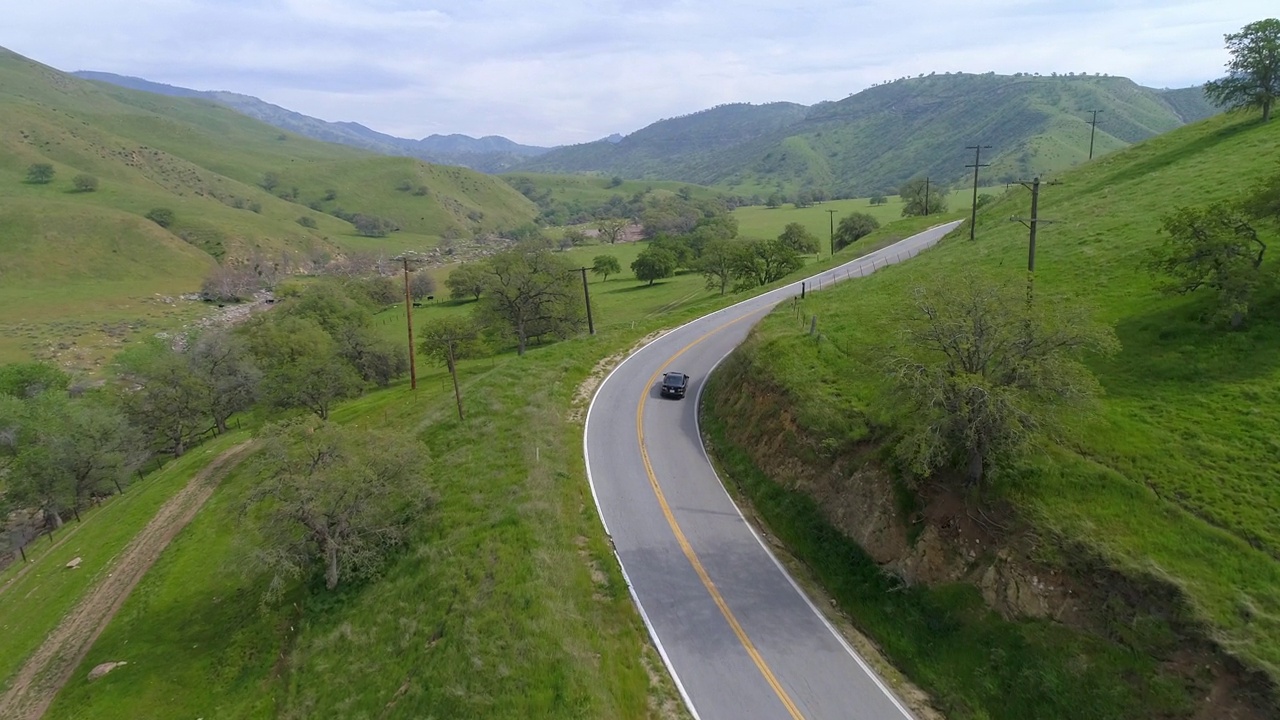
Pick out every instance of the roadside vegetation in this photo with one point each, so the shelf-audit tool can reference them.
(1161, 480)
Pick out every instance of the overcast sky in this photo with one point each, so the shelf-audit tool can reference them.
(561, 71)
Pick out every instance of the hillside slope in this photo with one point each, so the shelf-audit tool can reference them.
(1163, 503)
(237, 189)
(491, 153)
(874, 140)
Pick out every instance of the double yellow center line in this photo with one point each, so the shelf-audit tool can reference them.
(684, 541)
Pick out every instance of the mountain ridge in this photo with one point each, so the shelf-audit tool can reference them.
(872, 141)
(491, 153)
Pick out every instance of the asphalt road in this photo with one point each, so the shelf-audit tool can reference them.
(739, 636)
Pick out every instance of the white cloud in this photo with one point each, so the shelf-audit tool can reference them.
(571, 71)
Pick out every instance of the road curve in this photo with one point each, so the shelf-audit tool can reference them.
(738, 635)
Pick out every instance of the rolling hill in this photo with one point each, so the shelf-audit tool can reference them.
(1149, 521)
(491, 153)
(237, 188)
(874, 140)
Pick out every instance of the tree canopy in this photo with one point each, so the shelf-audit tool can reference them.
(979, 371)
(605, 265)
(798, 238)
(1216, 247)
(654, 263)
(337, 500)
(853, 227)
(1253, 72)
(532, 292)
(922, 197)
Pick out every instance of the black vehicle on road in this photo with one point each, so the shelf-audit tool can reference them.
(674, 384)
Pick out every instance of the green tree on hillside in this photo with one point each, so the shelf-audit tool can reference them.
(979, 372)
(1253, 72)
(605, 265)
(798, 238)
(27, 380)
(654, 263)
(228, 377)
(760, 262)
(1214, 246)
(879, 200)
(164, 217)
(167, 399)
(719, 263)
(336, 501)
(531, 292)
(467, 281)
(447, 340)
(921, 197)
(853, 227)
(40, 174)
(301, 367)
(84, 183)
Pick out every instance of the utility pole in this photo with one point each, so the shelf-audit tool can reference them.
(1093, 127)
(591, 326)
(831, 218)
(1033, 224)
(977, 163)
(408, 314)
(926, 196)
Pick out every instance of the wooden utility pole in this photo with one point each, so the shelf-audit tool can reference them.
(1093, 127)
(1033, 224)
(977, 163)
(408, 314)
(591, 326)
(926, 196)
(831, 221)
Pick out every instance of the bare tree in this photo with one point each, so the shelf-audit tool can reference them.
(448, 340)
(612, 229)
(421, 285)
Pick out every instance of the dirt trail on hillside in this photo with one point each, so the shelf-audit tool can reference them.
(45, 672)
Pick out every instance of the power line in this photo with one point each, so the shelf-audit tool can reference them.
(977, 163)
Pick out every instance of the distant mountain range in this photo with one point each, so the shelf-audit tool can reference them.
(874, 140)
(491, 154)
(867, 143)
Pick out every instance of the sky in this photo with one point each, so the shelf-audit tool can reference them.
(555, 72)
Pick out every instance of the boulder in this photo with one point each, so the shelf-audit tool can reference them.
(75, 563)
(106, 667)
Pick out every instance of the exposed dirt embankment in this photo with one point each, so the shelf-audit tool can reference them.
(935, 536)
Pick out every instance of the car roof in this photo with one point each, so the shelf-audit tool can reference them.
(680, 375)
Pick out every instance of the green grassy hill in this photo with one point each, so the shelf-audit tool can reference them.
(874, 140)
(1172, 483)
(91, 260)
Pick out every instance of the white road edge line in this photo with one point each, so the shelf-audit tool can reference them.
(644, 616)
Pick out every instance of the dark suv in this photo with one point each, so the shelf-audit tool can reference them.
(674, 384)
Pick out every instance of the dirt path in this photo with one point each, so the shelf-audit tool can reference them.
(45, 672)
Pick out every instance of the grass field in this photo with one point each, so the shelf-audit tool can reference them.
(513, 527)
(36, 602)
(78, 268)
(1173, 478)
(758, 221)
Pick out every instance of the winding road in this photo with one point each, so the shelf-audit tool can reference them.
(738, 635)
